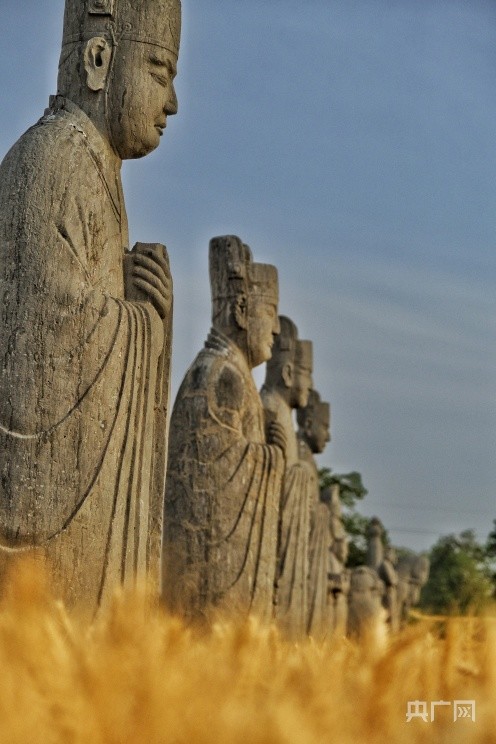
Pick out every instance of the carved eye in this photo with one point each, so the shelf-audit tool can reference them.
(161, 79)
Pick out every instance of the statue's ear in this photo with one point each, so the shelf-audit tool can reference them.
(239, 311)
(287, 374)
(97, 56)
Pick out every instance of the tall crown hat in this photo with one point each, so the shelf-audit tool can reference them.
(233, 272)
(286, 340)
(304, 354)
(314, 401)
(264, 284)
(316, 407)
(324, 411)
(155, 22)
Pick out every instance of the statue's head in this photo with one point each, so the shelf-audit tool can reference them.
(314, 421)
(119, 57)
(290, 367)
(374, 528)
(245, 297)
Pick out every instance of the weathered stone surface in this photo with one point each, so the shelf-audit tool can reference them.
(375, 549)
(313, 435)
(224, 476)
(387, 573)
(383, 561)
(364, 603)
(339, 575)
(287, 385)
(413, 573)
(85, 333)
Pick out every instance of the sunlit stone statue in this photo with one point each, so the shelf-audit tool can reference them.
(339, 575)
(364, 600)
(287, 385)
(85, 330)
(367, 590)
(224, 476)
(375, 548)
(413, 573)
(313, 435)
(339, 584)
(383, 560)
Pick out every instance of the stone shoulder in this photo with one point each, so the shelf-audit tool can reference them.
(48, 153)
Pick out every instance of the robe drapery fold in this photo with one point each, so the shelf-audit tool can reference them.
(222, 492)
(319, 603)
(78, 434)
(319, 623)
(292, 559)
(291, 592)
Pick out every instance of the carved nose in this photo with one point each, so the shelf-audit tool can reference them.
(171, 106)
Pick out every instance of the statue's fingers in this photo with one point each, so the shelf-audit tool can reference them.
(152, 279)
(149, 263)
(161, 304)
(157, 253)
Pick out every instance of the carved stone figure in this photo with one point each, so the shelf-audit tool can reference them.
(383, 561)
(387, 572)
(339, 575)
(85, 331)
(313, 435)
(375, 549)
(339, 585)
(287, 385)
(364, 604)
(224, 477)
(413, 573)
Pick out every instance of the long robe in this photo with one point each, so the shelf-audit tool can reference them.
(319, 623)
(82, 414)
(222, 492)
(291, 590)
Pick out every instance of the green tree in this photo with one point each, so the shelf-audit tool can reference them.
(460, 578)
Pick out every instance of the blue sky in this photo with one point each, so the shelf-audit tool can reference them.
(352, 144)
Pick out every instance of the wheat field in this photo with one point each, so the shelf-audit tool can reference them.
(137, 675)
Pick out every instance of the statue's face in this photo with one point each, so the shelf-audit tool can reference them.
(318, 435)
(302, 384)
(141, 97)
(262, 326)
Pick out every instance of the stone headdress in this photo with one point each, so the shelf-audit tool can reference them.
(156, 22)
(289, 348)
(315, 408)
(233, 273)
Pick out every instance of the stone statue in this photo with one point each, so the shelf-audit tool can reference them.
(387, 573)
(383, 561)
(224, 476)
(364, 602)
(287, 385)
(85, 331)
(413, 573)
(339, 575)
(375, 548)
(313, 435)
(339, 585)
